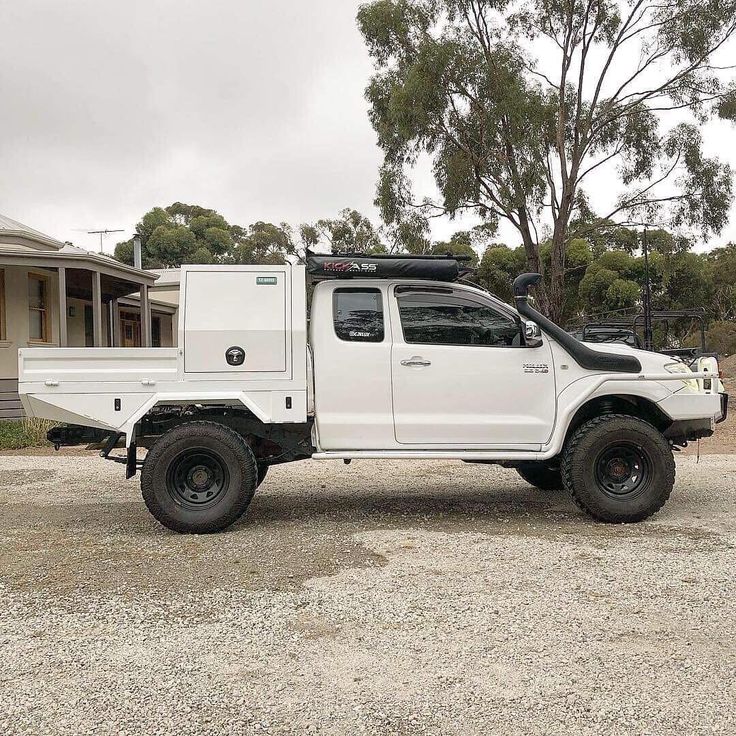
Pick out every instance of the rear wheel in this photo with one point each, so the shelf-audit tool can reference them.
(542, 475)
(618, 468)
(199, 477)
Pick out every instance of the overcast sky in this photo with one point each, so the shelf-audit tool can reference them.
(252, 107)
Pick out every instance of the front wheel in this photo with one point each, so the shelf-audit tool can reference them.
(199, 477)
(618, 468)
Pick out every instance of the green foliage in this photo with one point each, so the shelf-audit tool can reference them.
(510, 138)
(350, 232)
(262, 243)
(177, 234)
(721, 267)
(721, 338)
(594, 288)
(29, 432)
(183, 233)
(622, 294)
(613, 281)
(498, 268)
(460, 244)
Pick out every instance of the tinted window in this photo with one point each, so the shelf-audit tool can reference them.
(358, 314)
(449, 320)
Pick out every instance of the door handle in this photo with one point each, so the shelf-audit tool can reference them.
(416, 360)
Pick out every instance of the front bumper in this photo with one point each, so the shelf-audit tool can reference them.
(694, 416)
(685, 405)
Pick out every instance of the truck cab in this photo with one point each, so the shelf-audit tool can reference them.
(400, 358)
(408, 365)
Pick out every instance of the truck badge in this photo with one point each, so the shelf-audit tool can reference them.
(235, 355)
(536, 368)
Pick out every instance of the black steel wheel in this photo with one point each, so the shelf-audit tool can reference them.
(199, 477)
(623, 469)
(618, 468)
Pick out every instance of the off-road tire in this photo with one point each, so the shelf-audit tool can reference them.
(542, 475)
(175, 487)
(596, 491)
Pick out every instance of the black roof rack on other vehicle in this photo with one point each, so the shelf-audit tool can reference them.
(386, 266)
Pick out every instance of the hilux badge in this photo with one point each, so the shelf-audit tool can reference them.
(536, 368)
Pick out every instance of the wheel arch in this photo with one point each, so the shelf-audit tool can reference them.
(270, 442)
(235, 399)
(619, 403)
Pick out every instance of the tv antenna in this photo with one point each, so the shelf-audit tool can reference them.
(102, 234)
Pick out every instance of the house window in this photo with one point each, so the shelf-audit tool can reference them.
(38, 318)
(2, 304)
(89, 326)
(156, 332)
(130, 329)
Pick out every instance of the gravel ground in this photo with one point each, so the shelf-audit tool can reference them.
(377, 598)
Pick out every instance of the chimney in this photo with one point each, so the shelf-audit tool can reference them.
(137, 255)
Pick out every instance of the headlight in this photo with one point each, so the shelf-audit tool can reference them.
(692, 384)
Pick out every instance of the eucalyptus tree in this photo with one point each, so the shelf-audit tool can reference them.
(520, 104)
(350, 232)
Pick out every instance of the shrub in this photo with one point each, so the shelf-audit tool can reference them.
(721, 337)
(17, 434)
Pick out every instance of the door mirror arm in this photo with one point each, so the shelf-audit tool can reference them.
(532, 335)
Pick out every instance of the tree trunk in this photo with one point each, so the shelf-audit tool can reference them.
(556, 275)
(533, 262)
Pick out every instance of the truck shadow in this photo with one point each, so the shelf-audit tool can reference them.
(437, 504)
(290, 534)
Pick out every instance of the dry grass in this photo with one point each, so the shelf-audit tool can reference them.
(28, 432)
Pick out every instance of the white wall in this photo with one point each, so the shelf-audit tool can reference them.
(16, 315)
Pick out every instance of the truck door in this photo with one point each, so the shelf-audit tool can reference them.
(351, 344)
(462, 375)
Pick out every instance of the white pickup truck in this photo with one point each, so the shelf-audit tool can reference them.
(401, 359)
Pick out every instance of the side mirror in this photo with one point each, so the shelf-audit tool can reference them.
(531, 330)
(532, 334)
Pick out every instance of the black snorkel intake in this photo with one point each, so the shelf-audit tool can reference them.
(585, 357)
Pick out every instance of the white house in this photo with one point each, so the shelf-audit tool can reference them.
(55, 294)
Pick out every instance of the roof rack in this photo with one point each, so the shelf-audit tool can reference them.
(386, 266)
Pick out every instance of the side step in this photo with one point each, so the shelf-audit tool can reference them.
(487, 455)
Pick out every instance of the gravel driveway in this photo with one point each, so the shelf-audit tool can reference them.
(376, 598)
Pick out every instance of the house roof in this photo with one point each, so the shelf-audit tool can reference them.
(12, 229)
(21, 243)
(74, 257)
(167, 276)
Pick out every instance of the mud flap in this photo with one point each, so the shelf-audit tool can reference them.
(131, 464)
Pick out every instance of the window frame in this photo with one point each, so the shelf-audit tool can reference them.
(458, 297)
(3, 307)
(43, 279)
(155, 331)
(358, 290)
